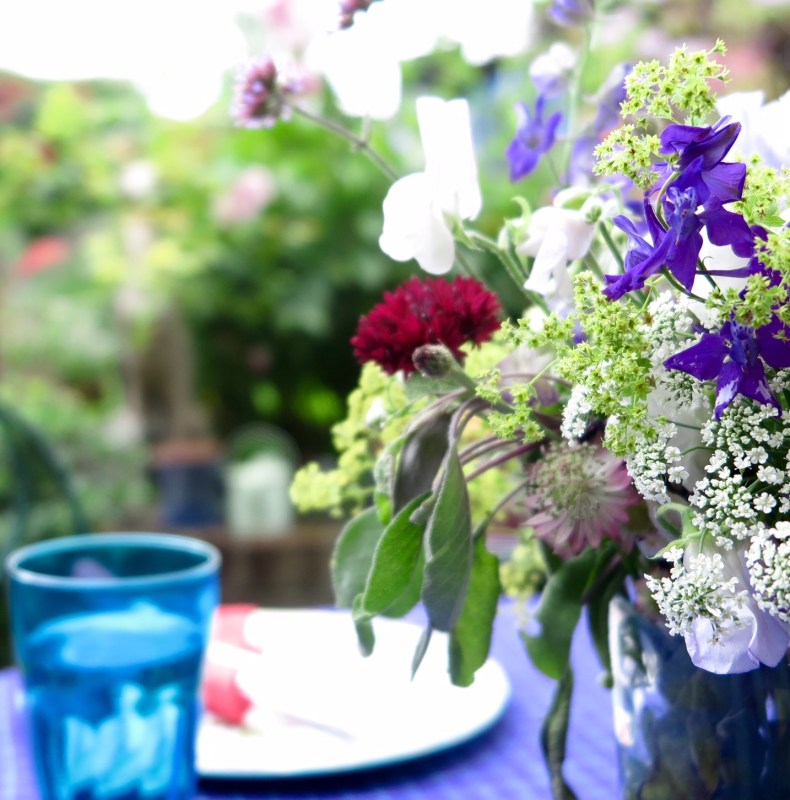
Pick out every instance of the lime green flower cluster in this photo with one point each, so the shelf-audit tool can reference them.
(379, 412)
(681, 89)
(375, 419)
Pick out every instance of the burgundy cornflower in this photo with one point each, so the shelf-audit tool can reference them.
(420, 312)
(259, 95)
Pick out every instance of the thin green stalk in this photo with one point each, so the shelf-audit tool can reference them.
(503, 459)
(363, 145)
(511, 266)
(610, 243)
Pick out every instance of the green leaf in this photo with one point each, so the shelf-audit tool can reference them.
(448, 541)
(353, 555)
(470, 639)
(411, 593)
(366, 638)
(422, 649)
(395, 561)
(558, 614)
(420, 459)
(419, 386)
(554, 736)
(598, 614)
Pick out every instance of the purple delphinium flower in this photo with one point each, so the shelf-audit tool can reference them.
(677, 248)
(723, 183)
(735, 358)
(690, 142)
(571, 13)
(534, 137)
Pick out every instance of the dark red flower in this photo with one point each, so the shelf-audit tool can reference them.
(420, 312)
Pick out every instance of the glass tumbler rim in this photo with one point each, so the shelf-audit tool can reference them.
(16, 571)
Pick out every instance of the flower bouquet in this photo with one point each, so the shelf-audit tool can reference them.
(627, 426)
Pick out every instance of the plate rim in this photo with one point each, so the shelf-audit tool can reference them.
(492, 672)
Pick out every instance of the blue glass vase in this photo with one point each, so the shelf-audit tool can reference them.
(687, 734)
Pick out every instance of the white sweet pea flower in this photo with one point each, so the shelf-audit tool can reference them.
(556, 236)
(754, 637)
(361, 65)
(764, 125)
(418, 208)
(485, 31)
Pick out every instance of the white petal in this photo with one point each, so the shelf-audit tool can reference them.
(485, 31)
(551, 262)
(412, 227)
(446, 133)
(362, 71)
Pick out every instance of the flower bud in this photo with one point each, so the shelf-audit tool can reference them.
(433, 360)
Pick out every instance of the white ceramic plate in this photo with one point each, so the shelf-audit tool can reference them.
(322, 708)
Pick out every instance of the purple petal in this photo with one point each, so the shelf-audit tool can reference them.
(682, 260)
(725, 182)
(754, 385)
(522, 159)
(775, 351)
(703, 360)
(714, 147)
(726, 228)
(675, 138)
(727, 386)
(657, 231)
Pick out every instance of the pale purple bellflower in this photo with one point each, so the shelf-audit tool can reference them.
(534, 137)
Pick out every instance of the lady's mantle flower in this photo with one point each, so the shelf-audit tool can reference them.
(259, 95)
(580, 496)
(417, 313)
(735, 356)
(534, 137)
(419, 209)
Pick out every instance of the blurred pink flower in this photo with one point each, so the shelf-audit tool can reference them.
(252, 191)
(41, 254)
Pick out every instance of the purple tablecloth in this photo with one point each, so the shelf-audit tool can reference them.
(505, 763)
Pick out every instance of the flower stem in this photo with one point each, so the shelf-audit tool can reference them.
(610, 243)
(359, 143)
(511, 265)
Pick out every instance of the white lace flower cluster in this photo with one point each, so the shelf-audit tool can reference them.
(768, 560)
(696, 588)
(743, 486)
(668, 324)
(576, 414)
(656, 463)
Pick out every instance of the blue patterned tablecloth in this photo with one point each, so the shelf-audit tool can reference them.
(504, 763)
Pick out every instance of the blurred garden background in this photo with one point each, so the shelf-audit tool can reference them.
(170, 280)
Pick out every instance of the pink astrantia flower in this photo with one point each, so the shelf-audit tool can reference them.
(578, 497)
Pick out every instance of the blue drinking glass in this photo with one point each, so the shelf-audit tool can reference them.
(109, 631)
